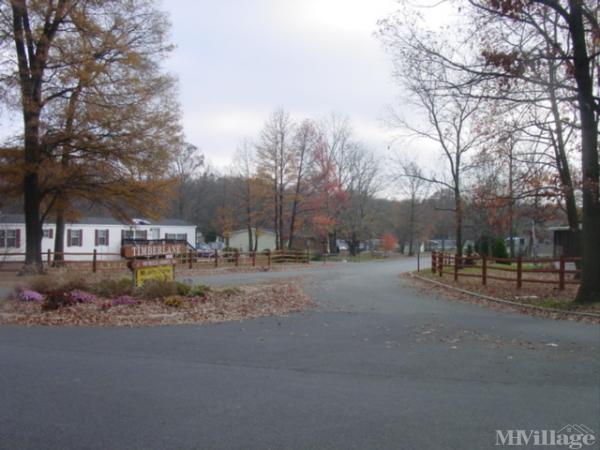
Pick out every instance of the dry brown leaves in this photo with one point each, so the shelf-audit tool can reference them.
(500, 290)
(219, 306)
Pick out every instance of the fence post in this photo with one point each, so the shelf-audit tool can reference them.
(441, 264)
(191, 260)
(253, 259)
(433, 261)
(216, 258)
(561, 274)
(519, 272)
(49, 257)
(237, 258)
(484, 270)
(94, 260)
(269, 257)
(419, 259)
(456, 262)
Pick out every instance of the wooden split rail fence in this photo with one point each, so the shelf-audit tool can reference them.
(520, 269)
(96, 261)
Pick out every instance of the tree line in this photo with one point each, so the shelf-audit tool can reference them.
(300, 178)
(510, 96)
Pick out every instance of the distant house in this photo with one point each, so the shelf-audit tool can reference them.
(522, 245)
(103, 234)
(441, 245)
(342, 245)
(564, 242)
(266, 239)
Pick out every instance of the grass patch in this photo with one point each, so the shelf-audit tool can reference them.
(361, 257)
(565, 305)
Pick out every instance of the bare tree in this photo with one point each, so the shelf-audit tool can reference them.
(412, 182)
(336, 149)
(448, 111)
(305, 141)
(245, 170)
(516, 39)
(362, 183)
(274, 157)
(185, 168)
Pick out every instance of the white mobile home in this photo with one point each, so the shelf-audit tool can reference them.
(103, 234)
(263, 238)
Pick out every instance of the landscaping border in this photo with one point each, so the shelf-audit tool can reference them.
(506, 302)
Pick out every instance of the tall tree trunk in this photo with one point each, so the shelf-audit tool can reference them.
(32, 195)
(31, 63)
(249, 215)
(458, 220)
(411, 226)
(589, 290)
(563, 166)
(511, 204)
(59, 241)
(292, 225)
(296, 201)
(33, 225)
(281, 235)
(59, 235)
(250, 237)
(276, 217)
(353, 245)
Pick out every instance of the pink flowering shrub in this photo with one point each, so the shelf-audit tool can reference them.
(27, 295)
(80, 296)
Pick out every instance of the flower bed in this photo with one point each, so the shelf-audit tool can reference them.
(157, 303)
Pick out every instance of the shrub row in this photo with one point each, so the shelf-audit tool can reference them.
(56, 293)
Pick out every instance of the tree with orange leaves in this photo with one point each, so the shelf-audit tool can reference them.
(389, 243)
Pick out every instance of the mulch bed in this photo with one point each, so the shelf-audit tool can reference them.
(528, 296)
(243, 302)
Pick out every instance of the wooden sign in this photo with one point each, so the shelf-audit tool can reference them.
(139, 263)
(153, 249)
(164, 272)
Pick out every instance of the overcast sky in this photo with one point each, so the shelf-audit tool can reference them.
(238, 60)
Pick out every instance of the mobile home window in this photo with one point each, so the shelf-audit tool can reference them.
(48, 233)
(101, 237)
(176, 236)
(9, 238)
(134, 234)
(75, 238)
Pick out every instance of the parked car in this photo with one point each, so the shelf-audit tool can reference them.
(204, 251)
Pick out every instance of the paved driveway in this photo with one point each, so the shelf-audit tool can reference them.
(376, 365)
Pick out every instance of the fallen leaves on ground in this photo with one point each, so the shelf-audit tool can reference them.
(218, 306)
(503, 291)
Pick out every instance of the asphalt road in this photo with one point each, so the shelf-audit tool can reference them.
(376, 365)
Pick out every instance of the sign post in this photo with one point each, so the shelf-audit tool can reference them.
(152, 261)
